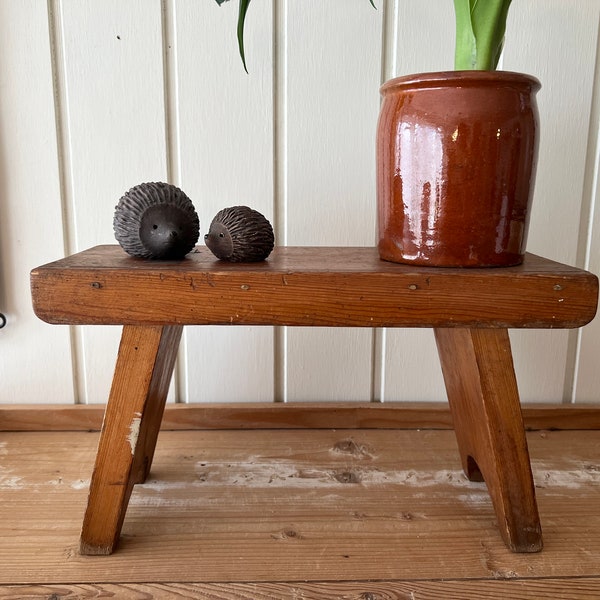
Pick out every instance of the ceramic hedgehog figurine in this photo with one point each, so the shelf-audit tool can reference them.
(240, 234)
(156, 220)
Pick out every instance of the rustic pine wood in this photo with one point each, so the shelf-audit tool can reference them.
(296, 415)
(484, 400)
(314, 287)
(131, 424)
(269, 513)
(569, 589)
(308, 286)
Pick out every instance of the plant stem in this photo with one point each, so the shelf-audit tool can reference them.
(480, 28)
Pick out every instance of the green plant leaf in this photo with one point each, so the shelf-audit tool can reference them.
(244, 4)
(243, 9)
(480, 28)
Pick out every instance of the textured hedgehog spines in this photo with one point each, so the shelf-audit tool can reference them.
(240, 234)
(156, 220)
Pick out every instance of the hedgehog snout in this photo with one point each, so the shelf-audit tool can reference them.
(240, 234)
(156, 220)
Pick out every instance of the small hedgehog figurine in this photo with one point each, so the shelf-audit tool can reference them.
(240, 234)
(156, 220)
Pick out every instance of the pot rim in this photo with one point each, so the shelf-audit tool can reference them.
(440, 79)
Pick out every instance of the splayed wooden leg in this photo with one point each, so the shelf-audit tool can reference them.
(484, 400)
(129, 432)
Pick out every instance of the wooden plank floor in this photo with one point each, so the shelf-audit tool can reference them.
(362, 514)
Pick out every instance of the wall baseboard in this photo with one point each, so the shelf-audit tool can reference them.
(296, 415)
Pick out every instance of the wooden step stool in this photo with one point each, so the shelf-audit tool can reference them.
(470, 311)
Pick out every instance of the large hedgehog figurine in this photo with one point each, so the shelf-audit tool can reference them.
(240, 234)
(156, 220)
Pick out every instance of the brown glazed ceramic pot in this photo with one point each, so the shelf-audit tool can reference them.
(456, 157)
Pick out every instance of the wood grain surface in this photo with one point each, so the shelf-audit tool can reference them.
(310, 513)
(129, 430)
(296, 415)
(316, 286)
(486, 411)
(576, 588)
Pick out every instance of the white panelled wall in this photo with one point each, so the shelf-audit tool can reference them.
(99, 95)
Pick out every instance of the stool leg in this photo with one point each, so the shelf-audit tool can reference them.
(131, 424)
(484, 400)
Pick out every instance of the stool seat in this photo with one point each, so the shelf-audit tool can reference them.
(470, 311)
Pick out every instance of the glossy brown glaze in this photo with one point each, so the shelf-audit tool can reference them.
(456, 157)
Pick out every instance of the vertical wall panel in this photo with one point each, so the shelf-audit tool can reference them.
(425, 42)
(586, 381)
(411, 367)
(295, 139)
(556, 42)
(332, 80)
(115, 134)
(35, 358)
(540, 38)
(225, 139)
